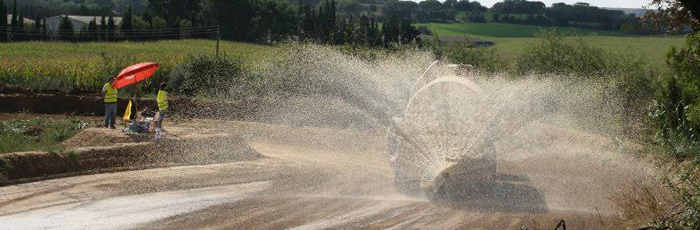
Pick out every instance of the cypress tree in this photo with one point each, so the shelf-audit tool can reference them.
(111, 28)
(3, 21)
(374, 34)
(36, 29)
(14, 20)
(363, 36)
(103, 28)
(65, 29)
(44, 30)
(92, 30)
(20, 26)
(408, 32)
(127, 25)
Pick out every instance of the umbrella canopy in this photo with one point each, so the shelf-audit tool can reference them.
(135, 73)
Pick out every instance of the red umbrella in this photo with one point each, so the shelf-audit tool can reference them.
(135, 73)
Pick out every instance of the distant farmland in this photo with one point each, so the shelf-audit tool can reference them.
(512, 39)
(505, 30)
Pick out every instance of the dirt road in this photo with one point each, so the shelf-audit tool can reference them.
(314, 178)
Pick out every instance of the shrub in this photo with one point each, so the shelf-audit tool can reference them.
(676, 116)
(483, 58)
(425, 30)
(207, 76)
(555, 54)
(677, 102)
(627, 80)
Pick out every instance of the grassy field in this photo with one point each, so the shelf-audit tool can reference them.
(511, 40)
(651, 49)
(60, 65)
(505, 30)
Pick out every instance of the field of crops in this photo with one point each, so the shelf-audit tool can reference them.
(68, 66)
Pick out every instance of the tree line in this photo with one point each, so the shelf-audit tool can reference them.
(510, 11)
(264, 21)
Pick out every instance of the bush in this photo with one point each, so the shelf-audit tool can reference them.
(556, 55)
(627, 80)
(208, 76)
(483, 58)
(424, 30)
(677, 104)
(676, 116)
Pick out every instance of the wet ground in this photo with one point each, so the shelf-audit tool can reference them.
(316, 178)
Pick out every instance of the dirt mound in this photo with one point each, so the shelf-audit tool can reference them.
(30, 166)
(102, 137)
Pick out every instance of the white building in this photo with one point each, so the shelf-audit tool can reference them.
(79, 22)
(27, 22)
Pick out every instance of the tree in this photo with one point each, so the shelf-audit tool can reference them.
(519, 7)
(477, 17)
(20, 33)
(93, 30)
(672, 16)
(233, 16)
(65, 29)
(103, 28)
(14, 21)
(111, 29)
(175, 10)
(391, 30)
(44, 30)
(402, 9)
(127, 25)
(408, 32)
(36, 30)
(3, 21)
(351, 7)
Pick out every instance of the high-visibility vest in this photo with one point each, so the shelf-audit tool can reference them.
(111, 94)
(162, 101)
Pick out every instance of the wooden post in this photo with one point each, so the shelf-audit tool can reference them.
(218, 38)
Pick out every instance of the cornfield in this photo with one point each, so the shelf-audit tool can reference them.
(48, 66)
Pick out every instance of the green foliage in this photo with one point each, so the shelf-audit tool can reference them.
(65, 29)
(483, 58)
(207, 76)
(626, 79)
(555, 55)
(677, 113)
(677, 118)
(3, 21)
(36, 134)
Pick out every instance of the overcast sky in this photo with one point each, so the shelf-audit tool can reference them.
(599, 3)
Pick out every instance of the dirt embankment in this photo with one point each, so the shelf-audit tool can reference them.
(100, 150)
(94, 105)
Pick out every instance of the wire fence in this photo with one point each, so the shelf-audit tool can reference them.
(13, 34)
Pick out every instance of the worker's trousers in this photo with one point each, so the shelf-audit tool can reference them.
(110, 114)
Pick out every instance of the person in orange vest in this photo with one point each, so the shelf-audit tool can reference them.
(110, 98)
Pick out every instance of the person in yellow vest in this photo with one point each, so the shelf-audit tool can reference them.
(162, 100)
(110, 95)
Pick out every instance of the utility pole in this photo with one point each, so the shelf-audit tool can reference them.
(218, 38)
